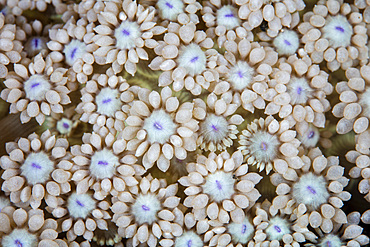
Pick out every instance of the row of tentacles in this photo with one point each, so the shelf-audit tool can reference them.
(197, 127)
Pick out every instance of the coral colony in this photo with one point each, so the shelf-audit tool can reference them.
(184, 123)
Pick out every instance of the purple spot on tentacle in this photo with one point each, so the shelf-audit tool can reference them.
(229, 15)
(126, 32)
(158, 126)
(287, 42)
(277, 228)
(311, 189)
(34, 165)
(18, 243)
(169, 5)
(145, 208)
(189, 243)
(194, 59)
(73, 53)
(35, 85)
(339, 28)
(299, 90)
(244, 228)
(103, 163)
(80, 203)
(214, 127)
(263, 146)
(179, 161)
(240, 74)
(107, 101)
(311, 134)
(219, 186)
(65, 125)
(328, 244)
